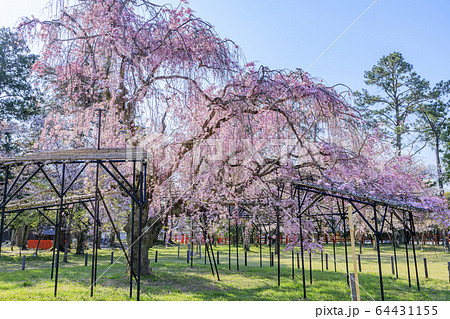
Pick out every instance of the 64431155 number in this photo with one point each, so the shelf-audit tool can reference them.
(407, 310)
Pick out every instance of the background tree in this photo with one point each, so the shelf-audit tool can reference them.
(432, 124)
(18, 97)
(402, 90)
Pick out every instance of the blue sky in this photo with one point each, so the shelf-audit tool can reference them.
(292, 34)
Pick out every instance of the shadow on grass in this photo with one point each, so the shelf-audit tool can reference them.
(174, 279)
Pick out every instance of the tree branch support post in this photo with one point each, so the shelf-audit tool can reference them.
(229, 237)
(237, 245)
(407, 256)
(260, 247)
(58, 240)
(5, 194)
(411, 225)
(132, 229)
(214, 260)
(378, 239)
(301, 246)
(142, 199)
(278, 247)
(355, 282)
(393, 243)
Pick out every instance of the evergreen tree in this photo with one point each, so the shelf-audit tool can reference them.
(432, 124)
(402, 90)
(18, 97)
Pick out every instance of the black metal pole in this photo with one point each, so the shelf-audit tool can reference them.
(98, 240)
(425, 267)
(214, 260)
(206, 237)
(192, 244)
(407, 256)
(378, 238)
(207, 251)
(131, 248)
(334, 250)
(58, 241)
(260, 247)
(321, 258)
(310, 268)
(270, 252)
(94, 245)
(96, 217)
(237, 246)
(303, 260)
(411, 224)
(293, 263)
(393, 244)
(448, 268)
(54, 245)
(346, 253)
(278, 248)
(229, 239)
(141, 204)
(5, 193)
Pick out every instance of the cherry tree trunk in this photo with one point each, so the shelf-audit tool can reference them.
(151, 227)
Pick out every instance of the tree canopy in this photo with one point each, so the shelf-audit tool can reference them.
(18, 97)
(403, 90)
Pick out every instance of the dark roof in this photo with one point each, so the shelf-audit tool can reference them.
(48, 232)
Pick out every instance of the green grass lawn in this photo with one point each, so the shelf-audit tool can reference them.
(174, 279)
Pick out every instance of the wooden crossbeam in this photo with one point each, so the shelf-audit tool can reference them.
(351, 195)
(79, 155)
(20, 205)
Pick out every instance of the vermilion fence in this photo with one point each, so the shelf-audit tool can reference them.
(43, 244)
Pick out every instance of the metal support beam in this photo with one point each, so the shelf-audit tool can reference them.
(378, 239)
(414, 248)
(8, 199)
(237, 245)
(214, 259)
(75, 178)
(260, 247)
(5, 189)
(393, 244)
(141, 204)
(58, 240)
(16, 179)
(278, 247)
(229, 237)
(133, 204)
(301, 249)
